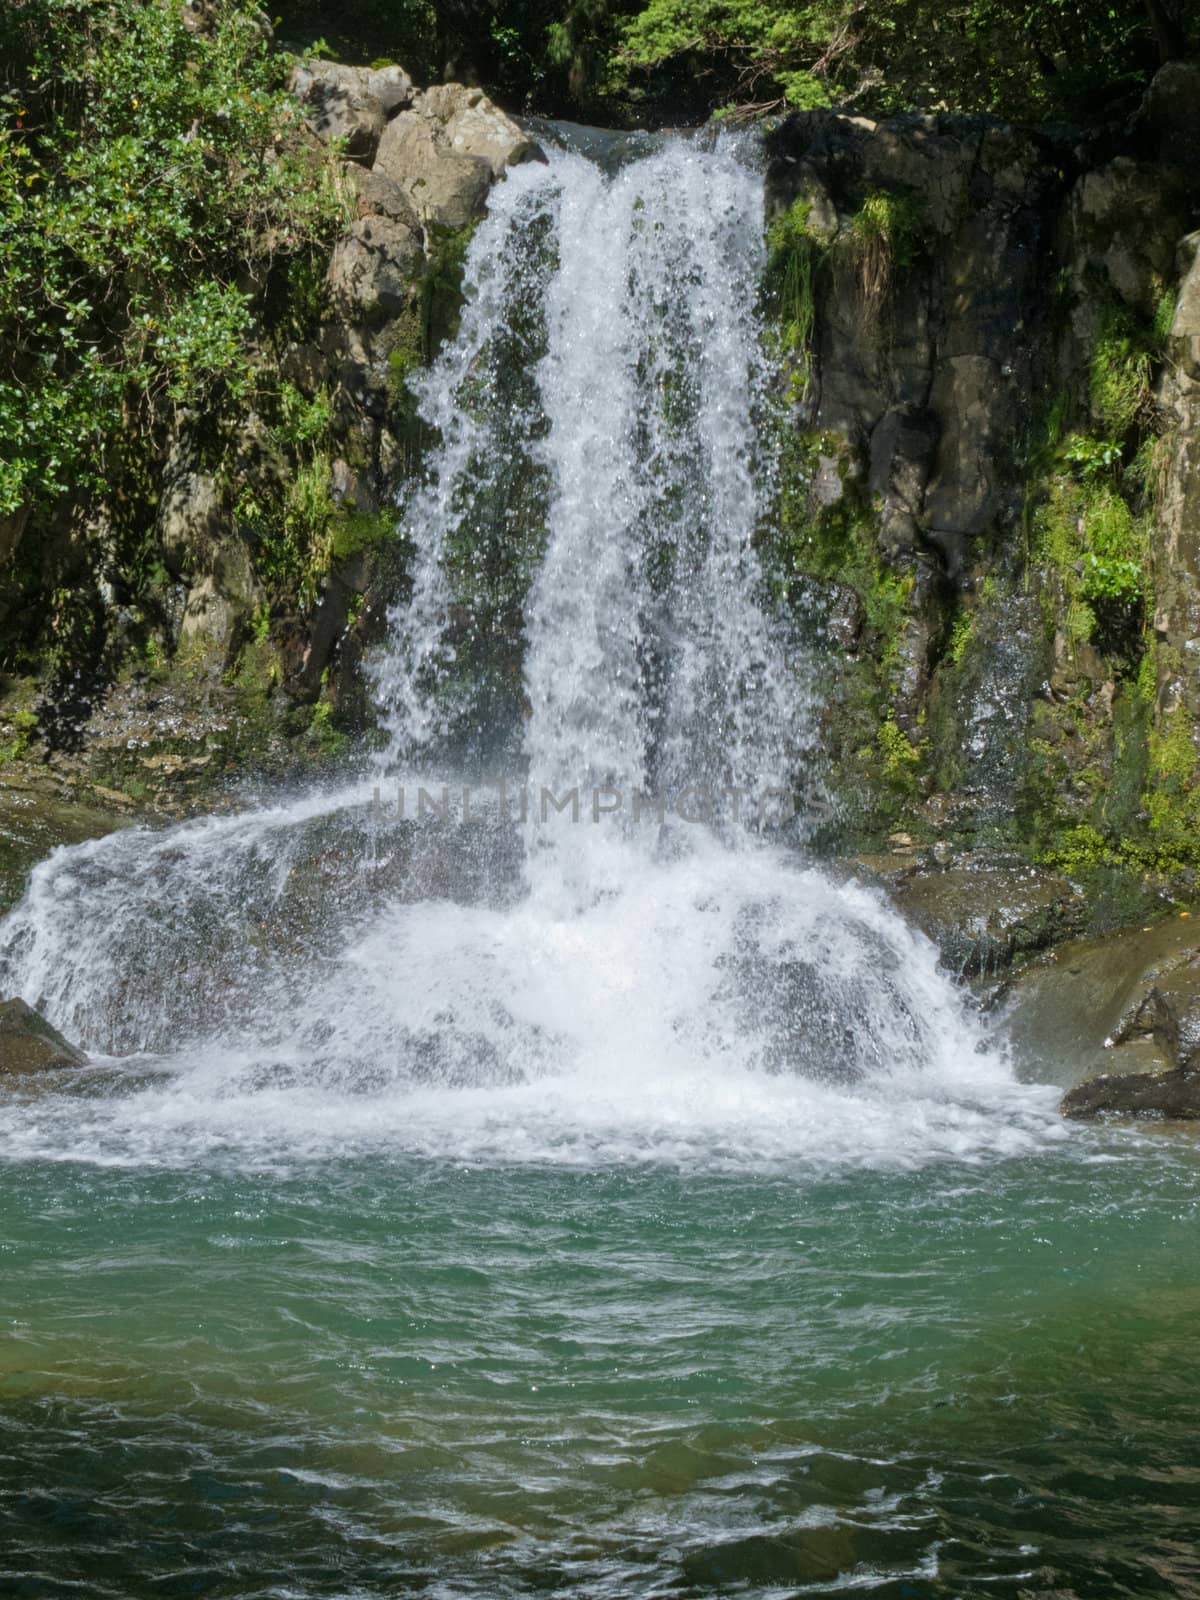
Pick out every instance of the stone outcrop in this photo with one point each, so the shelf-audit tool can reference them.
(1119, 1017)
(351, 103)
(1151, 1096)
(28, 1044)
(985, 917)
(275, 556)
(1177, 608)
(997, 452)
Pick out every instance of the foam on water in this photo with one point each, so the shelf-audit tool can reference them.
(306, 979)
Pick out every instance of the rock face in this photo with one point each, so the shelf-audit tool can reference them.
(996, 424)
(1119, 1018)
(29, 1044)
(271, 545)
(1177, 609)
(984, 918)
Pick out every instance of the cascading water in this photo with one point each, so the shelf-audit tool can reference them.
(612, 981)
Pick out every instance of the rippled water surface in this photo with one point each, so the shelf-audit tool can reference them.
(405, 1376)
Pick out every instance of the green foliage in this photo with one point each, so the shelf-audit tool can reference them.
(901, 757)
(149, 185)
(885, 234)
(1164, 316)
(355, 531)
(302, 420)
(1092, 458)
(23, 723)
(322, 733)
(793, 255)
(1027, 59)
(1096, 547)
(960, 639)
(1121, 373)
(1115, 549)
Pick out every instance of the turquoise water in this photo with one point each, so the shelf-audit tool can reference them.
(393, 1375)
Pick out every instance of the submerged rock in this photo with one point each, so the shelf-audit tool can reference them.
(28, 1043)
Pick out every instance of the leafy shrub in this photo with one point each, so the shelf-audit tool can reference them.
(149, 184)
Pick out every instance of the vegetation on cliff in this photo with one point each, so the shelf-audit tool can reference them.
(163, 224)
(680, 59)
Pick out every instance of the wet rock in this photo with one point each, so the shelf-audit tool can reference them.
(1115, 1020)
(984, 918)
(1156, 1096)
(32, 823)
(29, 1044)
(1175, 531)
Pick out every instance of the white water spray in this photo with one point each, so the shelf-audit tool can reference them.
(307, 977)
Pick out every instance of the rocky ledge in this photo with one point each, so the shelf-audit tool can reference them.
(1119, 1016)
(29, 1044)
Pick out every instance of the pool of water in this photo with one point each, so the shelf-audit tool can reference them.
(390, 1373)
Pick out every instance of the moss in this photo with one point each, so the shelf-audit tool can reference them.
(356, 531)
(1173, 793)
(1121, 375)
(1164, 317)
(794, 254)
(805, 548)
(323, 735)
(886, 234)
(441, 296)
(22, 724)
(1094, 551)
(961, 636)
(902, 759)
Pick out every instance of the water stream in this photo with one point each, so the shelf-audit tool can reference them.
(590, 1193)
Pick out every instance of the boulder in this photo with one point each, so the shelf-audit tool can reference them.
(1129, 1000)
(1169, 120)
(378, 196)
(1154, 1096)
(471, 125)
(446, 190)
(29, 1044)
(351, 103)
(446, 152)
(983, 918)
(1126, 218)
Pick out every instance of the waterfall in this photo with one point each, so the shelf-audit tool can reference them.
(643, 965)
